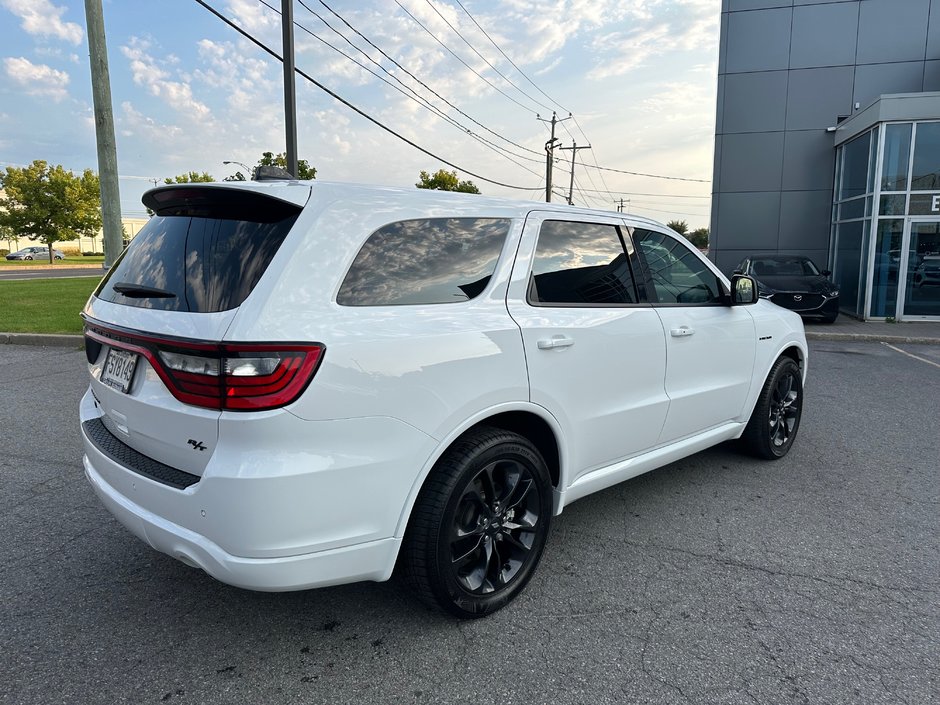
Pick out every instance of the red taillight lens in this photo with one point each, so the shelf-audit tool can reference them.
(237, 377)
(258, 379)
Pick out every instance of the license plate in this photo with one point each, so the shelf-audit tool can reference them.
(118, 369)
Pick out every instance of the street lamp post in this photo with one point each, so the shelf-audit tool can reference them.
(241, 164)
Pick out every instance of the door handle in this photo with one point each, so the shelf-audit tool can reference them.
(556, 341)
(681, 332)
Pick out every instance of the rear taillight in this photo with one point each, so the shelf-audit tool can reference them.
(237, 377)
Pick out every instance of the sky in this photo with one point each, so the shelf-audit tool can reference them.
(472, 82)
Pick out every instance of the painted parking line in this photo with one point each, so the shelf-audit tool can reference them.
(916, 357)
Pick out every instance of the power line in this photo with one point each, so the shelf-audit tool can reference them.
(452, 53)
(423, 102)
(487, 61)
(412, 75)
(352, 107)
(563, 108)
(489, 83)
(499, 49)
(657, 195)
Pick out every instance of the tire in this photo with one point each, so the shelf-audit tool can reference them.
(479, 524)
(774, 423)
(28, 257)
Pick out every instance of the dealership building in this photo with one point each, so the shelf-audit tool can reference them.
(827, 143)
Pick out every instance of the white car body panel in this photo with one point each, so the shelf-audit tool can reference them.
(614, 416)
(319, 492)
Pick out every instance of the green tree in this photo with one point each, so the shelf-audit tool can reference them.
(191, 177)
(9, 234)
(304, 170)
(680, 226)
(49, 203)
(444, 180)
(699, 238)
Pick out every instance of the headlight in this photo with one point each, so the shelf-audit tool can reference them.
(833, 294)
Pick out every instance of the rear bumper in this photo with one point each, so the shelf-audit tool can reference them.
(283, 503)
(373, 560)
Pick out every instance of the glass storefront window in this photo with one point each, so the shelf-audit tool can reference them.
(855, 167)
(849, 273)
(873, 160)
(884, 288)
(926, 175)
(852, 209)
(897, 155)
(922, 286)
(892, 204)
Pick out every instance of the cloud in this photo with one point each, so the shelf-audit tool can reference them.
(42, 18)
(147, 72)
(658, 28)
(37, 79)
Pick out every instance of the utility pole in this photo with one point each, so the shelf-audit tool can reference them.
(290, 96)
(550, 153)
(620, 206)
(113, 240)
(574, 153)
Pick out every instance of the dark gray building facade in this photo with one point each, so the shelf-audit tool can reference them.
(828, 144)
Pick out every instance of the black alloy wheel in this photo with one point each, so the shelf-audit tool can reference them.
(775, 420)
(494, 527)
(480, 523)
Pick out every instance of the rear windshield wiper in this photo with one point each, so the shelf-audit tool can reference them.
(136, 291)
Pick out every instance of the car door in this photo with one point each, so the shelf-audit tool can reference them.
(595, 350)
(710, 345)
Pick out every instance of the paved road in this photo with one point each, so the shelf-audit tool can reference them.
(715, 580)
(21, 273)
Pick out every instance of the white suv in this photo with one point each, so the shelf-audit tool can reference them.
(299, 384)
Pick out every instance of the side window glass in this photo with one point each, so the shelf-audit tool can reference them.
(428, 261)
(678, 276)
(581, 263)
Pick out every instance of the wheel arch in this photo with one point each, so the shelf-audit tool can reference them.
(528, 420)
(793, 349)
(795, 353)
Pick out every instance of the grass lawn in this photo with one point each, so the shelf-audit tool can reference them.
(69, 261)
(44, 305)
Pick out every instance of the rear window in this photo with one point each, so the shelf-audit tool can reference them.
(427, 261)
(202, 252)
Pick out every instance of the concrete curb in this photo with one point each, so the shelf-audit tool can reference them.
(873, 338)
(43, 339)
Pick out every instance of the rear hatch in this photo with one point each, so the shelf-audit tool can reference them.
(153, 328)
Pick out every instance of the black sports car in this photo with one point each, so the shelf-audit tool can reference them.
(794, 282)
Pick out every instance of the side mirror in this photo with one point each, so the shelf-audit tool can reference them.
(743, 290)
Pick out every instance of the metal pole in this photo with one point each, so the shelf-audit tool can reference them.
(113, 241)
(290, 96)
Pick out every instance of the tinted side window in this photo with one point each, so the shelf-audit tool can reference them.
(678, 276)
(581, 263)
(428, 261)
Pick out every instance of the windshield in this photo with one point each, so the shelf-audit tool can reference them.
(789, 267)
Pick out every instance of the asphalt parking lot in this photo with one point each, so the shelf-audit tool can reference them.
(718, 579)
